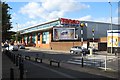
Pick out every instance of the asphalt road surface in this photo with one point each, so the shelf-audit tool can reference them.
(44, 70)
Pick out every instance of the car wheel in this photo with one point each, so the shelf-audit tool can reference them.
(72, 52)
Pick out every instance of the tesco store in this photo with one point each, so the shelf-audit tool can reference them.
(62, 34)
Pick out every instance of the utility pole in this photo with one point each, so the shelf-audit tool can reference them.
(17, 33)
(111, 27)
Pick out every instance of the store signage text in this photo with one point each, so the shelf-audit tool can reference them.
(69, 22)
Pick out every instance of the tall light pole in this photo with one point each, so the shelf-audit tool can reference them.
(17, 33)
(111, 27)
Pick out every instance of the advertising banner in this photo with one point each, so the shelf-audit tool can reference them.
(113, 38)
(63, 33)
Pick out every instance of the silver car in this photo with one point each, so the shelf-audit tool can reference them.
(78, 49)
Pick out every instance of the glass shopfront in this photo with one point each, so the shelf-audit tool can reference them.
(45, 37)
(33, 38)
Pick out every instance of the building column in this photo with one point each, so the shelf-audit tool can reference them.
(41, 38)
(37, 39)
(23, 39)
(30, 38)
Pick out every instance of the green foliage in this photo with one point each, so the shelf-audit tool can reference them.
(6, 24)
(16, 36)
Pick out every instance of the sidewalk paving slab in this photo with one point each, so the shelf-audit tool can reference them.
(6, 65)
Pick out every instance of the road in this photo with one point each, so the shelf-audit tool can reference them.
(92, 61)
(66, 70)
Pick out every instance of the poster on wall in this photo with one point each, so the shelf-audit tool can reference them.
(63, 33)
(113, 38)
(112, 41)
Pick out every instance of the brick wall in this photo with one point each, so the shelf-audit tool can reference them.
(64, 45)
(103, 39)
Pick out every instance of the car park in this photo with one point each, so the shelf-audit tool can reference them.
(79, 49)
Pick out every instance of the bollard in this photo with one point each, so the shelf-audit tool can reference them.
(20, 55)
(58, 64)
(22, 59)
(50, 63)
(115, 51)
(16, 60)
(82, 61)
(11, 74)
(19, 62)
(11, 57)
(36, 59)
(100, 63)
(106, 63)
(37, 55)
(21, 71)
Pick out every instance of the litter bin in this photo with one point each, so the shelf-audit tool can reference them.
(91, 51)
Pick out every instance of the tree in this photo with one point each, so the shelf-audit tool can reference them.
(6, 24)
(16, 35)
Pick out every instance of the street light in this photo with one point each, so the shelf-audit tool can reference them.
(17, 34)
(111, 26)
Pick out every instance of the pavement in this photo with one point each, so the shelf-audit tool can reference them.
(7, 64)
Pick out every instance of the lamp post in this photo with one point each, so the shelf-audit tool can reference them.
(82, 25)
(111, 27)
(17, 34)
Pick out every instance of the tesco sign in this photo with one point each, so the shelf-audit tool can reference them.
(69, 22)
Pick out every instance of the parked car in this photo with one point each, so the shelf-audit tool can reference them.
(3, 48)
(21, 47)
(6, 45)
(12, 47)
(78, 49)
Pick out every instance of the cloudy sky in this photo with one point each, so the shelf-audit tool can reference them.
(27, 14)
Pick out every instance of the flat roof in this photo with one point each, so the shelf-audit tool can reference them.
(58, 20)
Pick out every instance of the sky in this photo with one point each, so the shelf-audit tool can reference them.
(27, 14)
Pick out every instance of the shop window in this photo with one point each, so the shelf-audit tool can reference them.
(45, 37)
(33, 38)
(38, 36)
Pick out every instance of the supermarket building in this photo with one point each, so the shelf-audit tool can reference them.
(62, 34)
